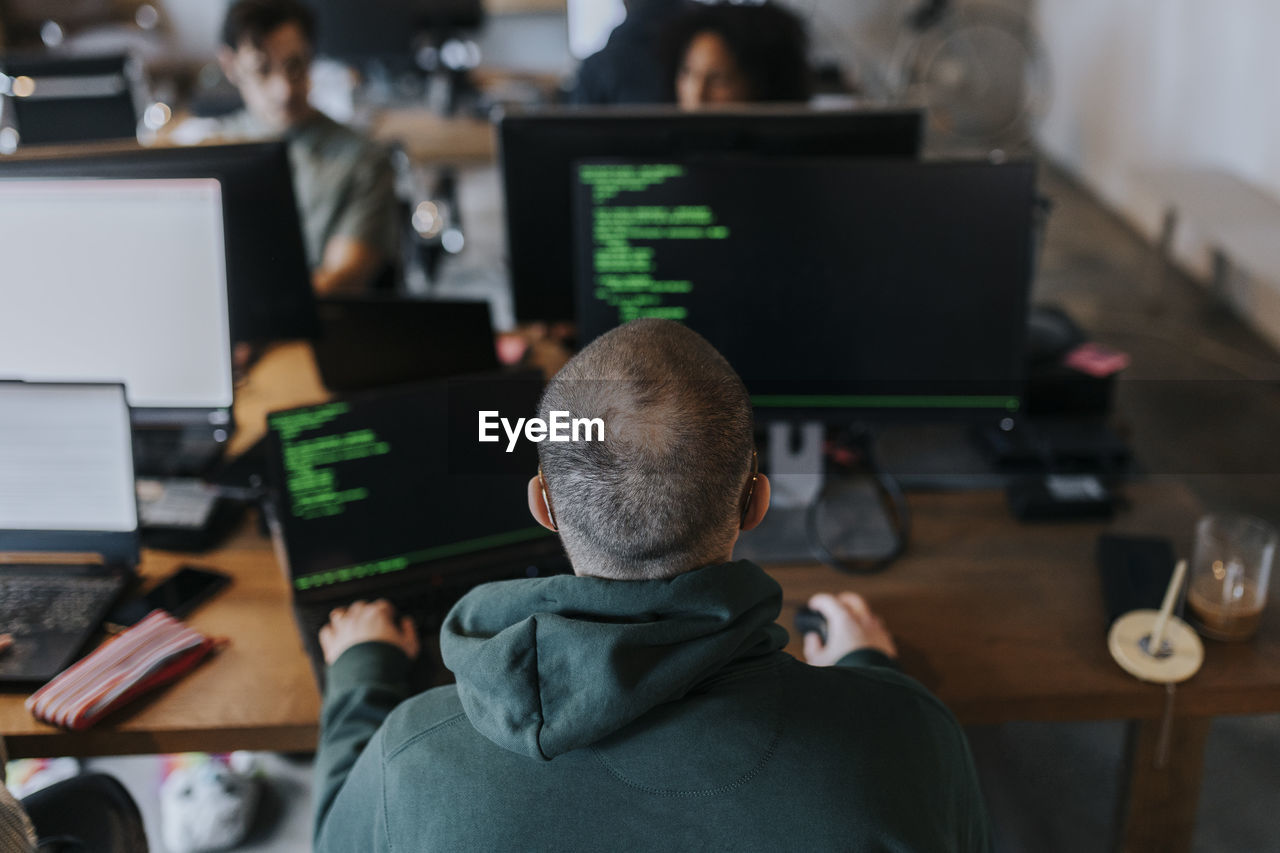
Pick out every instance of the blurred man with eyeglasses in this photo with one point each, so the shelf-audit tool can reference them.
(345, 183)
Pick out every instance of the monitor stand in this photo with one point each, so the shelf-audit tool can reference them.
(852, 520)
(796, 471)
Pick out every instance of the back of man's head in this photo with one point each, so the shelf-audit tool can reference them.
(663, 492)
(252, 21)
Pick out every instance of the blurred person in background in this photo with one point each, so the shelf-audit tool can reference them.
(344, 181)
(628, 70)
(732, 54)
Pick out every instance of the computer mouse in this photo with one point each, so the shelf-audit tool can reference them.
(1051, 333)
(810, 621)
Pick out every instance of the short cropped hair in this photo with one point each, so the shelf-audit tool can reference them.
(662, 493)
(254, 20)
(767, 41)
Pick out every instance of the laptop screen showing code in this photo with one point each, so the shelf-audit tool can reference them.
(394, 480)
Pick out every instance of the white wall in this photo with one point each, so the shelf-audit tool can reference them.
(1142, 83)
(195, 25)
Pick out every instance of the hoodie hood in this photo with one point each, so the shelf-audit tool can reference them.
(549, 665)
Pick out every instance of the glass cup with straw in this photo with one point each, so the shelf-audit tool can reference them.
(1230, 571)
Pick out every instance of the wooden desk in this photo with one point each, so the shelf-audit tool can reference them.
(435, 140)
(258, 693)
(1003, 621)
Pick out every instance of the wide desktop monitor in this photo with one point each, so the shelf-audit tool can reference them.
(117, 281)
(269, 282)
(841, 290)
(61, 99)
(539, 150)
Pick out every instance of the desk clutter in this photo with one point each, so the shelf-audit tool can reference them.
(156, 651)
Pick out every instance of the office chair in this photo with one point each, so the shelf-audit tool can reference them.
(90, 813)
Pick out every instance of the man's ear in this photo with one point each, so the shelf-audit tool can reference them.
(227, 62)
(759, 503)
(538, 506)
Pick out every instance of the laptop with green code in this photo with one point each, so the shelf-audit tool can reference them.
(390, 494)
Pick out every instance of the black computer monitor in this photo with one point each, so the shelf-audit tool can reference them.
(268, 280)
(61, 99)
(374, 341)
(539, 149)
(394, 482)
(387, 31)
(840, 290)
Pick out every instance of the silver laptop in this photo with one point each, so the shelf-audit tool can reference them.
(68, 519)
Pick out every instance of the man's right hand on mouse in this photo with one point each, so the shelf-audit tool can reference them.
(851, 625)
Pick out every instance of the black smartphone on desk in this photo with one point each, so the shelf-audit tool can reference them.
(1136, 571)
(179, 594)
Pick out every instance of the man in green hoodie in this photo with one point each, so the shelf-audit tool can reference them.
(645, 702)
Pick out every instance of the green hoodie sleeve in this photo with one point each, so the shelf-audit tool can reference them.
(362, 687)
(967, 811)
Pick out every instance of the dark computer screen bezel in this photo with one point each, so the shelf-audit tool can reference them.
(537, 150)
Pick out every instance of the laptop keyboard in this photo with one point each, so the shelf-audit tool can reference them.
(33, 604)
(427, 609)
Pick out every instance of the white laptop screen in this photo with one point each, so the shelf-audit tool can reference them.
(116, 281)
(65, 458)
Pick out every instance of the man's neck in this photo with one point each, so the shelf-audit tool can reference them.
(585, 569)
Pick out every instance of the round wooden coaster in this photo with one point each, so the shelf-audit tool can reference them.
(1183, 651)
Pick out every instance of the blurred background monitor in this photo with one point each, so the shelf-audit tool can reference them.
(37, 24)
(388, 32)
(268, 281)
(839, 290)
(61, 99)
(538, 150)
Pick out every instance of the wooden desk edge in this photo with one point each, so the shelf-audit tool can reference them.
(109, 741)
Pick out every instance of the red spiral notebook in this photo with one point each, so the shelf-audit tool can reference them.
(153, 652)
